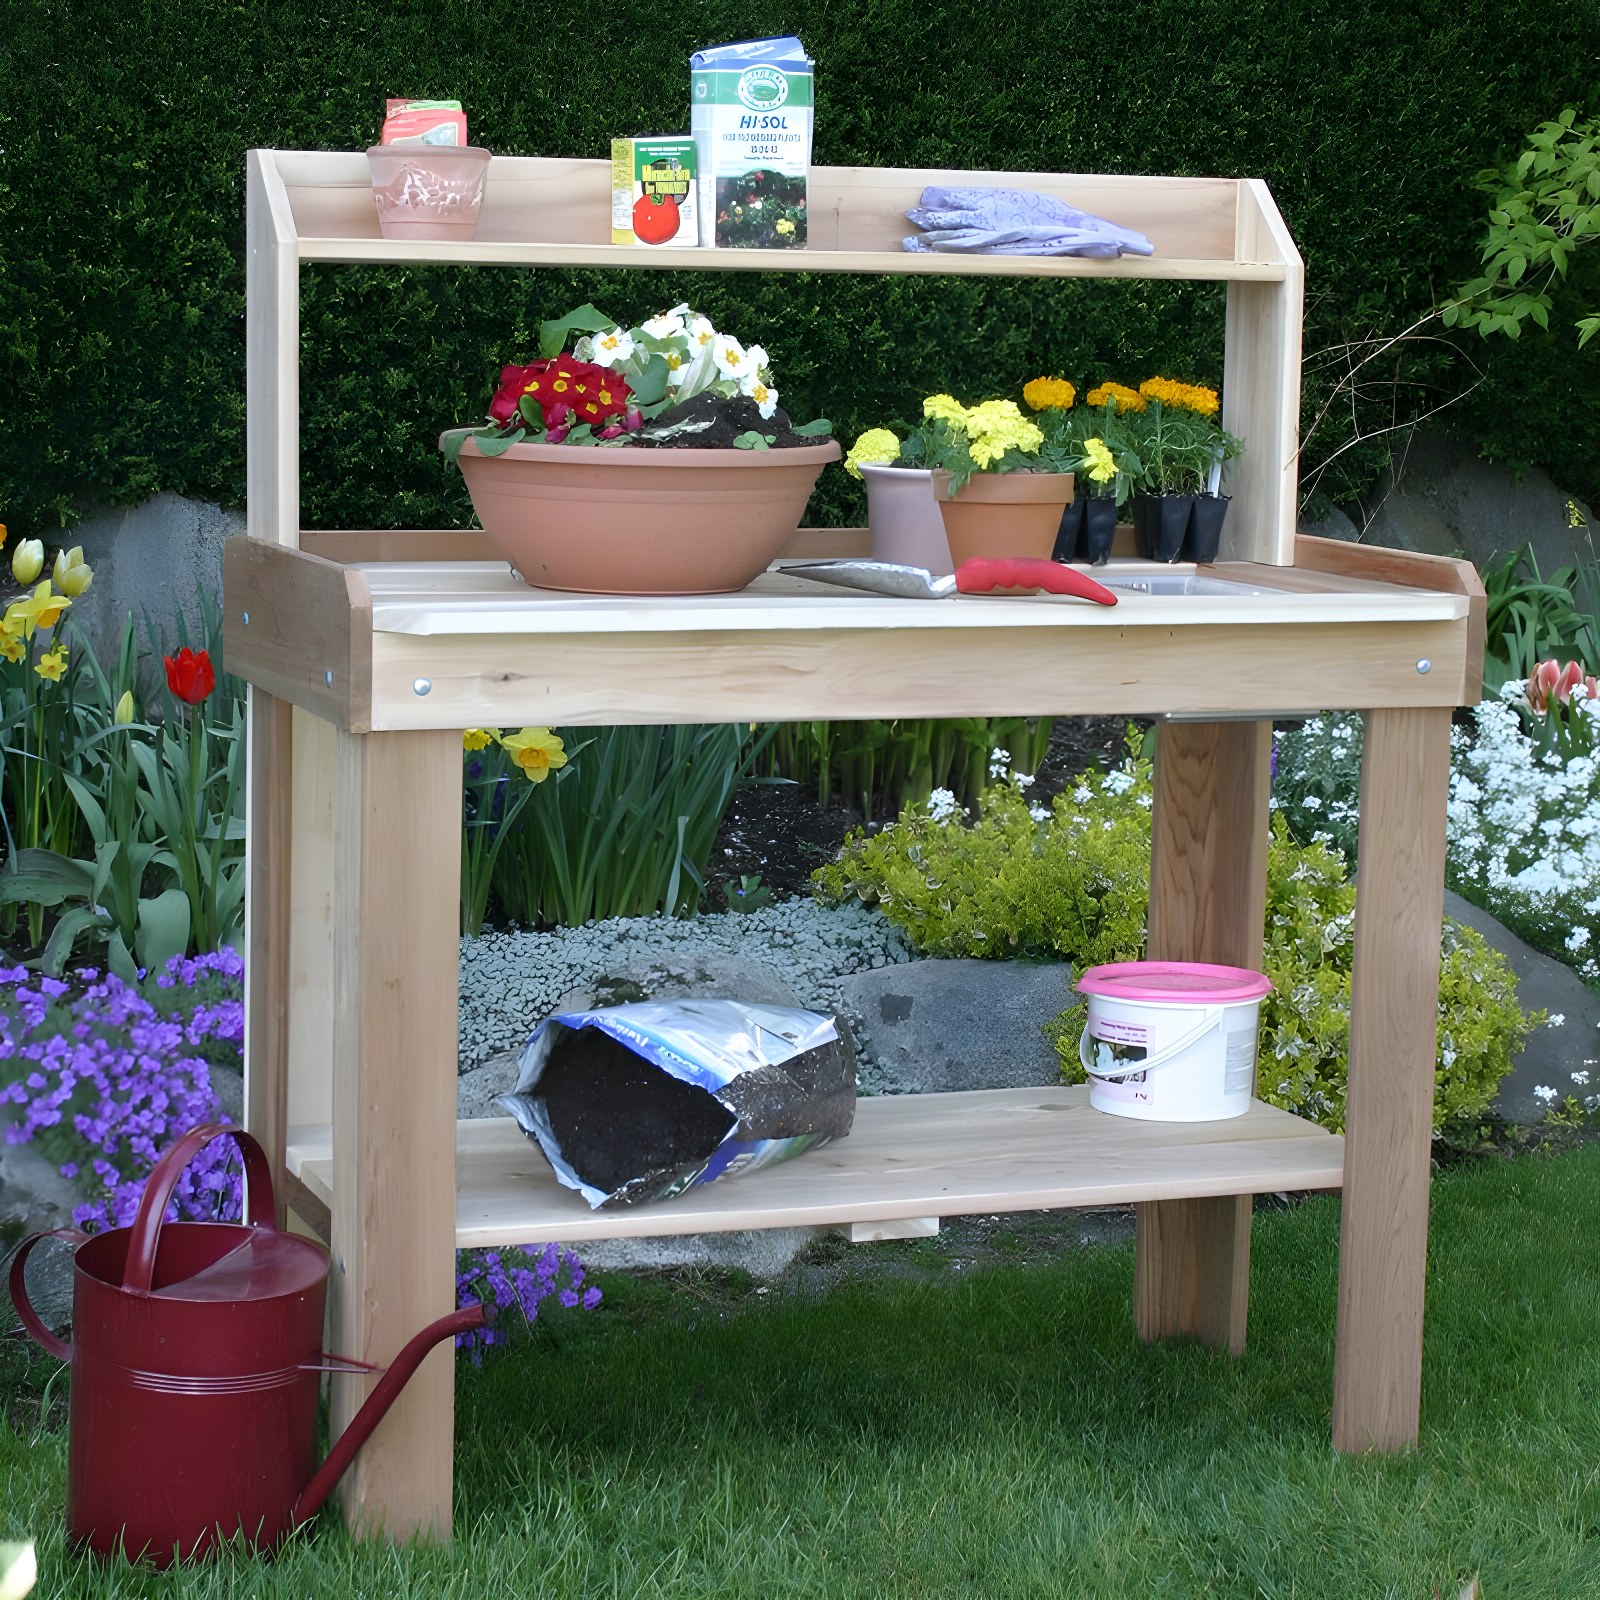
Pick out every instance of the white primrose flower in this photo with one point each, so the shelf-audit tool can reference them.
(730, 357)
(669, 325)
(766, 399)
(613, 348)
(701, 333)
(756, 356)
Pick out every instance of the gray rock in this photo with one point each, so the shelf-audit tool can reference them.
(228, 1083)
(762, 1252)
(682, 975)
(1441, 498)
(156, 560)
(1565, 1056)
(476, 1090)
(932, 1026)
(34, 1198)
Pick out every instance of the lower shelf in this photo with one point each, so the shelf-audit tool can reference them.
(934, 1155)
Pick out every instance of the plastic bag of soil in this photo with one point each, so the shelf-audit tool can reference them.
(637, 1103)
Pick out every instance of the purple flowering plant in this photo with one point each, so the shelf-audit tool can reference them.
(490, 1278)
(106, 1077)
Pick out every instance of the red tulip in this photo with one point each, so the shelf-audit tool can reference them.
(190, 677)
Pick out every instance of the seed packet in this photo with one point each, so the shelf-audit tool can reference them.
(424, 122)
(653, 191)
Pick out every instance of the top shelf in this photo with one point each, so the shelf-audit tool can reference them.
(550, 212)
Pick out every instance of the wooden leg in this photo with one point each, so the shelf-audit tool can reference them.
(1208, 891)
(1383, 1237)
(396, 915)
(266, 964)
(311, 945)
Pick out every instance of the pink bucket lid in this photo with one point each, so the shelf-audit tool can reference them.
(1174, 982)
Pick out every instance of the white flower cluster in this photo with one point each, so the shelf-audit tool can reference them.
(697, 356)
(1527, 828)
(942, 806)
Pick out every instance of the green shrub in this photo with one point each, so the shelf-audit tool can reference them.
(1074, 883)
(122, 211)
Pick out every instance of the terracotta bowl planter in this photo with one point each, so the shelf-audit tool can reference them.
(641, 521)
(1002, 514)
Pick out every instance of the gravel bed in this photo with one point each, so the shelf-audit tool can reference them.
(511, 981)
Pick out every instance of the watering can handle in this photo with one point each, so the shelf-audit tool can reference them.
(40, 1334)
(146, 1230)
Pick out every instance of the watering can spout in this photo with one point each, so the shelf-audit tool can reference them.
(376, 1405)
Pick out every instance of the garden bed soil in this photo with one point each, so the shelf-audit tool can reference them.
(779, 833)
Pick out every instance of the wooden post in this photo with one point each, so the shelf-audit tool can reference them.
(1208, 891)
(268, 807)
(397, 902)
(1383, 1237)
(271, 355)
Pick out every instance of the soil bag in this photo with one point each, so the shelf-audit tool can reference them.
(637, 1103)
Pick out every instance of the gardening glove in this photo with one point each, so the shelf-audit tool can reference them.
(1016, 222)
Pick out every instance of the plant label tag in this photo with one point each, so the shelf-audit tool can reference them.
(751, 115)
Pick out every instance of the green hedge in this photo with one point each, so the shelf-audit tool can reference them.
(122, 198)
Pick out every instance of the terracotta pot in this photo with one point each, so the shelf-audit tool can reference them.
(1002, 514)
(629, 521)
(904, 519)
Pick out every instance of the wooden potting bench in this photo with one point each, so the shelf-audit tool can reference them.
(368, 653)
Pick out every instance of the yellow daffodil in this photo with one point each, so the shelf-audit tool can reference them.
(72, 573)
(41, 609)
(13, 647)
(124, 712)
(477, 739)
(1049, 394)
(535, 751)
(27, 562)
(2, 533)
(52, 663)
(874, 447)
(1104, 464)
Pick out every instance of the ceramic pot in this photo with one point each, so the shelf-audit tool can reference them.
(1099, 527)
(1205, 527)
(1069, 532)
(427, 191)
(630, 521)
(1002, 514)
(903, 517)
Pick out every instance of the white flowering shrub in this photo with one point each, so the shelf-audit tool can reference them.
(1074, 883)
(1316, 782)
(1524, 834)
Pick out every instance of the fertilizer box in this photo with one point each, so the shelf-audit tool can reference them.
(653, 191)
(751, 116)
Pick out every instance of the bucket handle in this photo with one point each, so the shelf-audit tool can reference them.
(1162, 1058)
(146, 1231)
(29, 1318)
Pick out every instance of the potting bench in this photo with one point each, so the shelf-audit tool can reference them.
(369, 652)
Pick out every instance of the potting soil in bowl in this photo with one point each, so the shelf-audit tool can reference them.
(637, 1103)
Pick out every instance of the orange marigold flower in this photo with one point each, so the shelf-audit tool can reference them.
(1182, 396)
(1127, 399)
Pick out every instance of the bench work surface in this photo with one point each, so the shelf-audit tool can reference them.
(907, 1156)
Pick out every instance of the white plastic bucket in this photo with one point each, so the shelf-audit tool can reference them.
(1171, 1041)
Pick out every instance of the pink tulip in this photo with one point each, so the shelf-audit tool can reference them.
(1555, 680)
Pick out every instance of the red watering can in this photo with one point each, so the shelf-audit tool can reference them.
(196, 1357)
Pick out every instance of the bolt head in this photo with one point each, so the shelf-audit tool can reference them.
(1424, 666)
(421, 685)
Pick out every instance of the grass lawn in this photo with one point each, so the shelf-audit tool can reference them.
(990, 1429)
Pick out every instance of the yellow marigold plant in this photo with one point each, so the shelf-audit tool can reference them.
(1183, 396)
(1049, 394)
